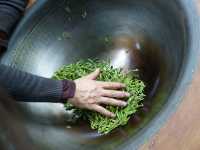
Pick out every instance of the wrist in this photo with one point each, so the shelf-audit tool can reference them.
(69, 88)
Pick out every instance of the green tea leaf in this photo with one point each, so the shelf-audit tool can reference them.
(134, 86)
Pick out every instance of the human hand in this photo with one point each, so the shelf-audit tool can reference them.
(90, 94)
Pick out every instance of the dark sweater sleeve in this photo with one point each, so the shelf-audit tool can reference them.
(10, 13)
(24, 86)
(31, 88)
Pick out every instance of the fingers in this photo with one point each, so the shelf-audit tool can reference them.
(102, 111)
(111, 85)
(93, 75)
(111, 101)
(115, 94)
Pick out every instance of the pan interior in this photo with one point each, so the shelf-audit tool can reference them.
(149, 35)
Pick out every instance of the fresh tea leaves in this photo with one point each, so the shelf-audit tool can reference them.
(134, 86)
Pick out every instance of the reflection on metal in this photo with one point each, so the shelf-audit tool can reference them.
(138, 46)
(121, 58)
(44, 66)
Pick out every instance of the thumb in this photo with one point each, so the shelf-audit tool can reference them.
(93, 75)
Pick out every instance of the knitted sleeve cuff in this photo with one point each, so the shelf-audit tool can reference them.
(69, 88)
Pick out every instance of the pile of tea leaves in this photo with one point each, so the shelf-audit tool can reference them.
(134, 86)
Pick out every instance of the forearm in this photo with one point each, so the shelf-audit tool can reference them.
(10, 13)
(30, 88)
(24, 86)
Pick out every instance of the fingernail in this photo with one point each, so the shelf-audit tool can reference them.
(98, 69)
(123, 85)
(124, 104)
(127, 94)
(113, 115)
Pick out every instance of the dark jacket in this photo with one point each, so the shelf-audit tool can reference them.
(24, 86)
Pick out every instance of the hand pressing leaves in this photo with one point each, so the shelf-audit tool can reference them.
(91, 94)
(102, 90)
